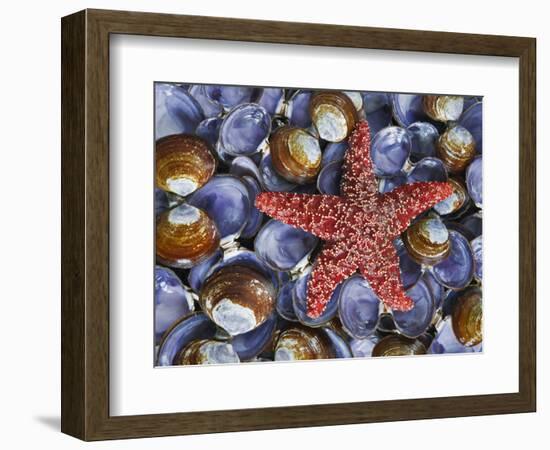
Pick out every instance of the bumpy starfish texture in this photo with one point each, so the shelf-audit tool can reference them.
(358, 227)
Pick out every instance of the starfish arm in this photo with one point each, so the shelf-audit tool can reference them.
(316, 214)
(358, 180)
(334, 264)
(406, 202)
(381, 269)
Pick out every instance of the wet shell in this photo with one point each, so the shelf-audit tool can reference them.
(397, 345)
(183, 163)
(301, 343)
(237, 298)
(457, 202)
(427, 241)
(185, 236)
(333, 114)
(443, 107)
(456, 148)
(207, 351)
(467, 317)
(295, 154)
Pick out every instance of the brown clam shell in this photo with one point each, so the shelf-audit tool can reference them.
(427, 241)
(333, 114)
(237, 298)
(302, 343)
(397, 345)
(456, 148)
(183, 163)
(295, 154)
(207, 351)
(185, 236)
(443, 107)
(457, 201)
(467, 317)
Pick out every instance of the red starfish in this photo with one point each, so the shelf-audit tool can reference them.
(359, 226)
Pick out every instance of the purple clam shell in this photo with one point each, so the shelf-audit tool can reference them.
(271, 179)
(410, 269)
(407, 109)
(471, 119)
(438, 291)
(209, 130)
(244, 166)
(477, 249)
(457, 270)
(300, 303)
(339, 346)
(446, 342)
(424, 136)
(414, 322)
(428, 169)
(389, 184)
(378, 110)
(334, 151)
(251, 344)
(210, 107)
(298, 109)
(281, 246)
(328, 181)
(245, 129)
(358, 307)
(225, 198)
(362, 348)
(474, 181)
(474, 224)
(172, 300)
(191, 328)
(176, 111)
(255, 217)
(271, 99)
(390, 151)
(229, 96)
(284, 304)
(198, 273)
(161, 201)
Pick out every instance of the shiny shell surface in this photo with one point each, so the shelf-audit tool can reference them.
(208, 351)
(397, 345)
(467, 318)
(456, 148)
(427, 241)
(301, 343)
(333, 114)
(443, 107)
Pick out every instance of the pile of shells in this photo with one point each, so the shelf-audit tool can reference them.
(231, 283)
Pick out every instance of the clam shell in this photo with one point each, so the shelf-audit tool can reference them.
(251, 344)
(255, 217)
(389, 184)
(272, 100)
(285, 301)
(473, 223)
(427, 241)
(378, 110)
(244, 166)
(424, 136)
(443, 107)
(467, 317)
(208, 351)
(210, 107)
(329, 178)
(477, 249)
(193, 327)
(390, 151)
(301, 343)
(456, 204)
(237, 298)
(209, 130)
(438, 291)
(199, 272)
(271, 179)
(333, 114)
(334, 151)
(474, 181)
(407, 109)
(183, 163)
(229, 96)
(297, 110)
(295, 154)
(176, 111)
(185, 236)
(409, 268)
(457, 270)
(362, 348)
(456, 148)
(472, 120)
(446, 342)
(415, 322)
(428, 169)
(172, 300)
(161, 201)
(397, 345)
(358, 307)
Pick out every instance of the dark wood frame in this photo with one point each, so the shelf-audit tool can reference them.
(85, 224)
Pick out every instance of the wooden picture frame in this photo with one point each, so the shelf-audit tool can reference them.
(85, 224)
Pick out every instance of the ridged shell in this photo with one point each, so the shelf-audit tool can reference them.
(456, 204)
(427, 241)
(295, 154)
(301, 343)
(237, 298)
(333, 114)
(467, 317)
(443, 107)
(207, 351)
(397, 345)
(183, 163)
(456, 148)
(185, 236)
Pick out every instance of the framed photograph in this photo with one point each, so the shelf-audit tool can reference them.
(273, 225)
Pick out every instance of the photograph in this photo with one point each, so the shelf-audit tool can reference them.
(298, 224)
